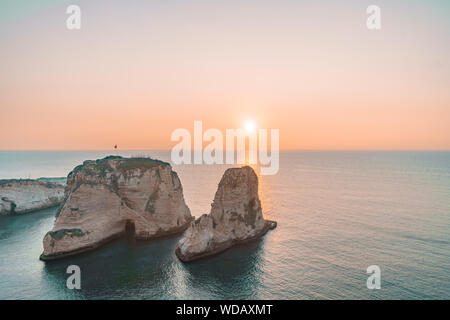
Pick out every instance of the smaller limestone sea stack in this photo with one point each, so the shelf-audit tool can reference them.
(19, 196)
(114, 197)
(236, 217)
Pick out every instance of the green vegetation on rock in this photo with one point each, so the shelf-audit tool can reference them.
(102, 167)
(140, 163)
(150, 206)
(59, 234)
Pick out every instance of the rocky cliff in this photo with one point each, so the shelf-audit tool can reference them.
(113, 197)
(235, 217)
(18, 196)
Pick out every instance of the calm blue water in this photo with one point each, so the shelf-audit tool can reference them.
(337, 213)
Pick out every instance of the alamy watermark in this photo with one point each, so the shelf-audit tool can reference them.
(73, 21)
(373, 22)
(220, 151)
(374, 280)
(74, 280)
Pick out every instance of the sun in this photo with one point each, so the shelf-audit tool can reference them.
(250, 126)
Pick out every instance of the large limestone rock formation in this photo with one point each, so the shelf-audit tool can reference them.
(236, 216)
(113, 197)
(26, 195)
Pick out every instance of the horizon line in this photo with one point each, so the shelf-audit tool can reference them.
(165, 150)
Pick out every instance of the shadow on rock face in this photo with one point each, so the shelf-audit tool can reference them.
(130, 229)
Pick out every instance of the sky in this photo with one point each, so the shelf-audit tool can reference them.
(138, 70)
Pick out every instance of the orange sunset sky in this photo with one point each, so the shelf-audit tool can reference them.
(137, 70)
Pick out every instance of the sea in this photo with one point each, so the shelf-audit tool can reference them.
(338, 213)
